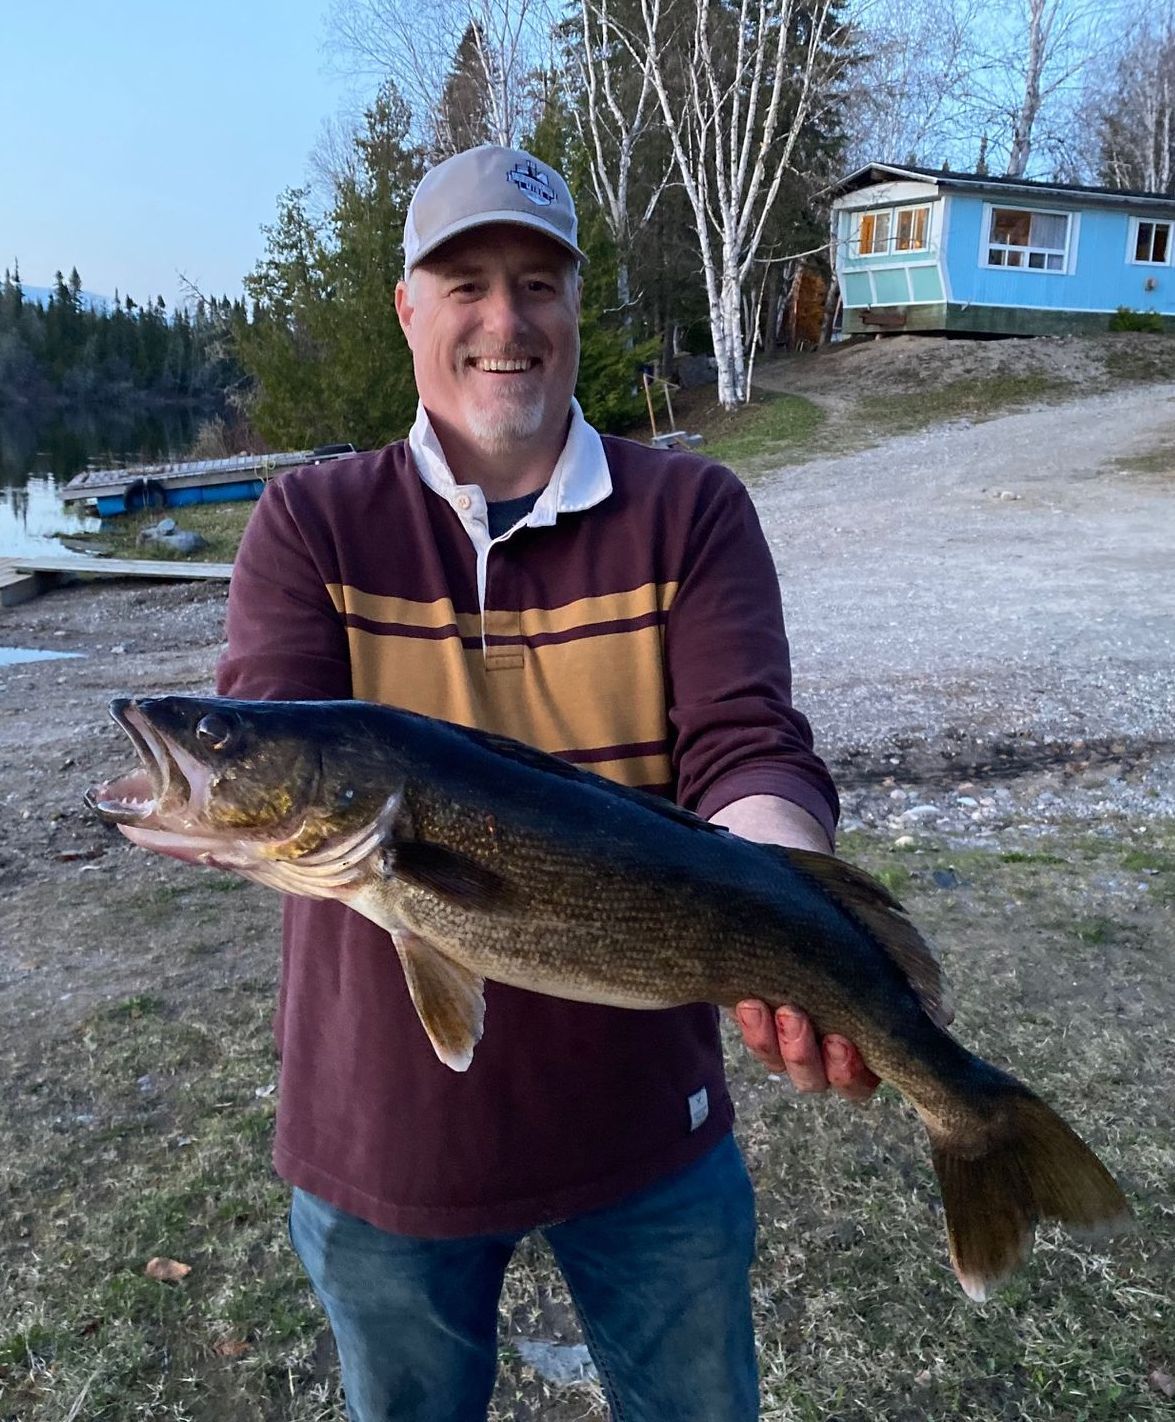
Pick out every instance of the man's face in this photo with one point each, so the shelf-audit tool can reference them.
(492, 319)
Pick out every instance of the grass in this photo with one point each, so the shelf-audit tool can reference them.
(220, 524)
(976, 398)
(146, 1131)
(1139, 358)
(1160, 461)
(777, 430)
(770, 426)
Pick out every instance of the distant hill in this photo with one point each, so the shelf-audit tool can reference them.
(41, 295)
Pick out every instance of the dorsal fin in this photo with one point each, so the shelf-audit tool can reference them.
(534, 759)
(885, 920)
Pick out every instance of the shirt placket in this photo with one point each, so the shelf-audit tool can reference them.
(503, 650)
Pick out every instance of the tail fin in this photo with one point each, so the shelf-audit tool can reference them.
(1034, 1168)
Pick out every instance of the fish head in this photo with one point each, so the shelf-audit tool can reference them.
(266, 789)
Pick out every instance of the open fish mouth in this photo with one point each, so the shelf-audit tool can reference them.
(168, 784)
(161, 804)
(167, 804)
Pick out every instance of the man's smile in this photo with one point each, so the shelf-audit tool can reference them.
(501, 365)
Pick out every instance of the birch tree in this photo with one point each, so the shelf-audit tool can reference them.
(617, 110)
(737, 88)
(1049, 31)
(500, 43)
(1133, 109)
(904, 88)
(1025, 77)
(940, 77)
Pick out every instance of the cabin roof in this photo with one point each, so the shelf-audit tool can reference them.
(983, 182)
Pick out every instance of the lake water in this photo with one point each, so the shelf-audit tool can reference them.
(11, 656)
(40, 453)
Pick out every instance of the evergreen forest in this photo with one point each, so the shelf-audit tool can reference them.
(68, 352)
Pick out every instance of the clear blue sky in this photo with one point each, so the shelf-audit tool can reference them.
(141, 138)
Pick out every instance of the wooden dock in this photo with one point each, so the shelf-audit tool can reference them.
(25, 578)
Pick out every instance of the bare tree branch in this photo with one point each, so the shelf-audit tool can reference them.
(414, 44)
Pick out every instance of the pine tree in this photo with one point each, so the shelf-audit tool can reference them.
(323, 345)
(609, 360)
(463, 114)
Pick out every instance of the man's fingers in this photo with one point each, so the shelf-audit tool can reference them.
(800, 1050)
(758, 1029)
(846, 1070)
(786, 1042)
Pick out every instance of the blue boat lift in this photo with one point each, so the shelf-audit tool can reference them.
(201, 481)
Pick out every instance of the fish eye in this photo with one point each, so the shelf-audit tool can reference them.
(213, 731)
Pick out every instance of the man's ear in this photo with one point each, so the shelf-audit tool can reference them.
(578, 293)
(404, 310)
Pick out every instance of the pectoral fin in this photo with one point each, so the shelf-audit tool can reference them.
(444, 872)
(448, 874)
(448, 998)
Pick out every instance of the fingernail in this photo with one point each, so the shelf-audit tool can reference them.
(837, 1053)
(750, 1016)
(791, 1025)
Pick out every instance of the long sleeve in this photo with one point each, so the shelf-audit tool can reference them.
(286, 639)
(729, 671)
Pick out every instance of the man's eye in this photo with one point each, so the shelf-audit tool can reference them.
(539, 285)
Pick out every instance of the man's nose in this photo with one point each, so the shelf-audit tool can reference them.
(502, 312)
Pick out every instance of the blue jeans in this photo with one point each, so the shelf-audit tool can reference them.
(659, 1281)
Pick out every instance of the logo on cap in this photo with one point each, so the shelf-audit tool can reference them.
(531, 184)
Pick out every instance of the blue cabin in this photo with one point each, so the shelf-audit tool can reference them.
(922, 250)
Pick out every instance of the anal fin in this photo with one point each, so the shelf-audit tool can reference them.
(448, 998)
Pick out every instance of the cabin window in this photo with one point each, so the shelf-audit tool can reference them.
(1152, 242)
(890, 229)
(1033, 241)
(911, 228)
(873, 233)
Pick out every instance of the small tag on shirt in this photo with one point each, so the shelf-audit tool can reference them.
(699, 1108)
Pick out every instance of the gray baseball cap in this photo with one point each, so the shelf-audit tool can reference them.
(484, 185)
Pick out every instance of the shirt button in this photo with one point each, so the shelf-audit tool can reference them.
(464, 501)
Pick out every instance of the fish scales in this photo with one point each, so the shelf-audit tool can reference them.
(484, 858)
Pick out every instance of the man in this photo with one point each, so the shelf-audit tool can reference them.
(506, 567)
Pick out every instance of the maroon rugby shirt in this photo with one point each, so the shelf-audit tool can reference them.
(642, 638)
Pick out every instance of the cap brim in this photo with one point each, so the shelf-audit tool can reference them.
(511, 217)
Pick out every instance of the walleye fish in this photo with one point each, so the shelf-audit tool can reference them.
(484, 858)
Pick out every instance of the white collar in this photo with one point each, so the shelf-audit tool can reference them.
(579, 480)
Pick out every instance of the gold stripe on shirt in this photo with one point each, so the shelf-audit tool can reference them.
(535, 621)
(620, 696)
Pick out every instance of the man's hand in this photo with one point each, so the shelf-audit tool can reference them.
(787, 1042)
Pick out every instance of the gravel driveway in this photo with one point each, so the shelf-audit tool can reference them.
(1001, 578)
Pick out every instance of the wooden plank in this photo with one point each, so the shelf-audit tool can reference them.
(119, 567)
(891, 318)
(16, 588)
(928, 317)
